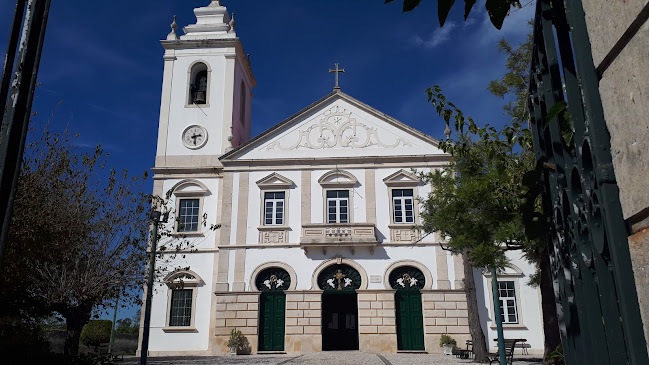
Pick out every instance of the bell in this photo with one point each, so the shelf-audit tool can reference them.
(200, 97)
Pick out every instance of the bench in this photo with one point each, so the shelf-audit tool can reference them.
(510, 345)
(104, 349)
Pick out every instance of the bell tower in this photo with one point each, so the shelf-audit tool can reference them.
(206, 92)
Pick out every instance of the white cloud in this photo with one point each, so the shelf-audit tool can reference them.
(515, 23)
(438, 36)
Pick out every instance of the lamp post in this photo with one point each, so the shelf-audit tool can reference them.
(498, 317)
(112, 329)
(156, 218)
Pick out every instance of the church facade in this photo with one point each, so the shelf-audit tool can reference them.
(316, 248)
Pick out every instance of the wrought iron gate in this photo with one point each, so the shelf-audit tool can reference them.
(595, 290)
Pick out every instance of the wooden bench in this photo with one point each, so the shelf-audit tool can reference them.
(104, 349)
(510, 345)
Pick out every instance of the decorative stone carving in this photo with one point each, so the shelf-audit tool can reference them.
(337, 128)
(336, 234)
(405, 234)
(273, 237)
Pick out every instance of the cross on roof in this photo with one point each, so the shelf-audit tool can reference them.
(337, 71)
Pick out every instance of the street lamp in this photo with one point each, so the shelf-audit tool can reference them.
(155, 217)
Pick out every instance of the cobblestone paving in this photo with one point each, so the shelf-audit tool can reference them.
(323, 358)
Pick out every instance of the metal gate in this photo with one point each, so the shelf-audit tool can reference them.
(595, 291)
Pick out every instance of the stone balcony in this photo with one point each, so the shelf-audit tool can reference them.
(350, 235)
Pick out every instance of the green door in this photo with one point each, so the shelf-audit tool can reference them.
(271, 323)
(410, 322)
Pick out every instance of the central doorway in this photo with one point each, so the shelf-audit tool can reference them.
(339, 307)
(339, 321)
(272, 307)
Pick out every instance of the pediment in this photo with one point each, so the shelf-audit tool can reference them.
(338, 178)
(189, 187)
(402, 178)
(337, 126)
(275, 180)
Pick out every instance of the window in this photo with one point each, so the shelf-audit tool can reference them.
(181, 307)
(402, 206)
(274, 208)
(188, 215)
(507, 301)
(181, 300)
(338, 206)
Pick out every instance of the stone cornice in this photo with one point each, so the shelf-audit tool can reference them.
(333, 162)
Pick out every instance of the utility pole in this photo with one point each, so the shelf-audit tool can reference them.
(17, 109)
(156, 218)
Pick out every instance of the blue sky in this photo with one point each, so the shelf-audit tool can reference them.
(104, 60)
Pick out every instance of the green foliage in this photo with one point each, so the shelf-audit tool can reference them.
(236, 340)
(446, 340)
(497, 9)
(127, 325)
(96, 332)
(557, 355)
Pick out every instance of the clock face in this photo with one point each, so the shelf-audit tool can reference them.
(194, 136)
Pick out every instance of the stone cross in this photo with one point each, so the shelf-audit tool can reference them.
(337, 71)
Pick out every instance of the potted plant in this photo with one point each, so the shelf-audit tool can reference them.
(448, 343)
(236, 341)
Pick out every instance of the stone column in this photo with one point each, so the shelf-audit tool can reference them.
(377, 329)
(303, 321)
(458, 265)
(442, 269)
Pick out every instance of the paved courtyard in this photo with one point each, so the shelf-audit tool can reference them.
(322, 358)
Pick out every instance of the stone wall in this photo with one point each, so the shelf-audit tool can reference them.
(624, 89)
(303, 321)
(239, 311)
(377, 331)
(445, 312)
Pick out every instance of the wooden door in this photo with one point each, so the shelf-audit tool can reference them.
(271, 323)
(410, 321)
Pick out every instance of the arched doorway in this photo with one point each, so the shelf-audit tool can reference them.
(408, 280)
(339, 307)
(272, 307)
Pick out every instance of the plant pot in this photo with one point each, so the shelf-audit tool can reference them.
(233, 351)
(448, 349)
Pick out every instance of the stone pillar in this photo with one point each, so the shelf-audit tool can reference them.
(239, 311)
(442, 269)
(458, 265)
(445, 312)
(377, 329)
(303, 321)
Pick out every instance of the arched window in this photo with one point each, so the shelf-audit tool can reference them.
(242, 104)
(181, 300)
(407, 278)
(198, 84)
(339, 277)
(273, 278)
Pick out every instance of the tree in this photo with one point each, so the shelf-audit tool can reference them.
(497, 9)
(474, 204)
(78, 235)
(96, 332)
(500, 166)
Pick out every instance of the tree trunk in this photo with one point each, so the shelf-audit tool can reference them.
(552, 338)
(75, 319)
(475, 327)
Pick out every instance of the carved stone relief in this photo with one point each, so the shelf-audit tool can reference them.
(404, 235)
(273, 237)
(337, 128)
